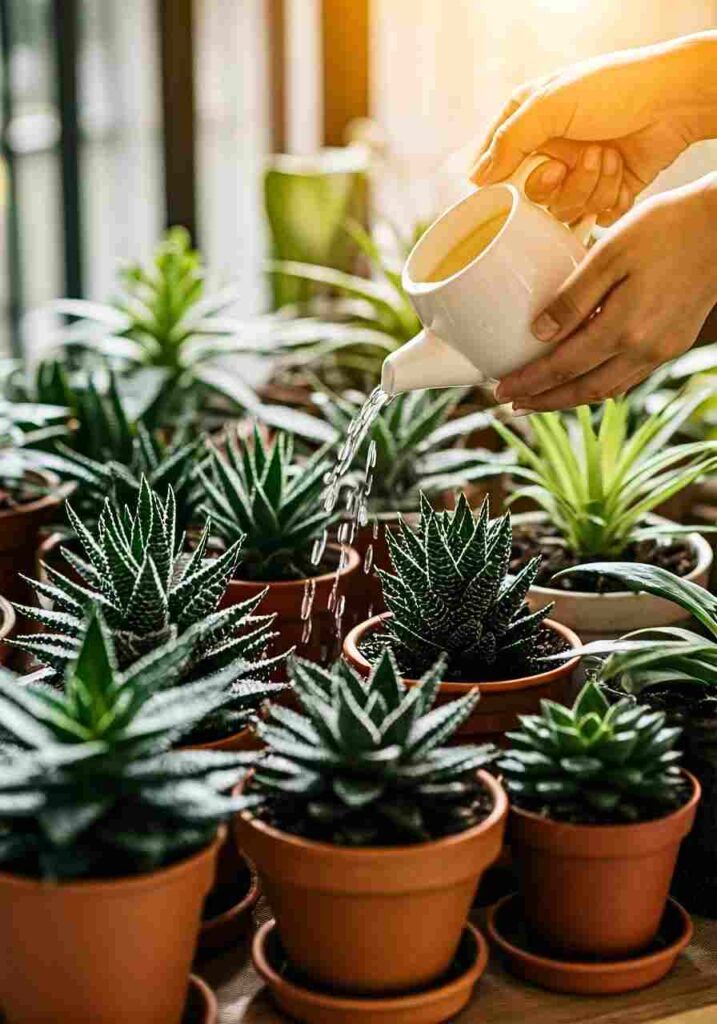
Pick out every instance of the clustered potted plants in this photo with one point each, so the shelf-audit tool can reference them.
(230, 683)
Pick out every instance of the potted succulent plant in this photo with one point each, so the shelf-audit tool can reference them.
(674, 670)
(149, 588)
(417, 443)
(257, 493)
(451, 591)
(596, 486)
(599, 807)
(29, 495)
(371, 836)
(108, 840)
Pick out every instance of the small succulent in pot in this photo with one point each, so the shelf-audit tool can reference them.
(108, 834)
(599, 809)
(451, 591)
(150, 589)
(257, 491)
(595, 762)
(365, 765)
(369, 824)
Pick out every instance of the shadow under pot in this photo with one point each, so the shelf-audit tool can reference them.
(102, 951)
(308, 610)
(373, 919)
(610, 615)
(501, 701)
(597, 890)
(20, 527)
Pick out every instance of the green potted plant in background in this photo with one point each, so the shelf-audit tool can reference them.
(674, 670)
(258, 493)
(595, 486)
(134, 568)
(370, 836)
(420, 442)
(106, 835)
(599, 807)
(451, 591)
(29, 494)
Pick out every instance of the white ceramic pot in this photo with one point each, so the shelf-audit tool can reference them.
(606, 616)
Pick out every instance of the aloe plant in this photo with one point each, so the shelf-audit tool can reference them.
(595, 762)
(365, 764)
(451, 591)
(257, 494)
(88, 787)
(598, 484)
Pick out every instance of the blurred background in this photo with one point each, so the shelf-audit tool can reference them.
(120, 118)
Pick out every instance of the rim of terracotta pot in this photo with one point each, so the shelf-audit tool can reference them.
(106, 886)
(353, 562)
(208, 1008)
(59, 492)
(625, 965)
(354, 657)
(210, 925)
(702, 546)
(627, 832)
(386, 853)
(367, 1004)
(7, 618)
(228, 743)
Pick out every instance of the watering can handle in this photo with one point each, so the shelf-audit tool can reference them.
(582, 229)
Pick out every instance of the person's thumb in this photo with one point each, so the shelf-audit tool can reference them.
(521, 134)
(579, 296)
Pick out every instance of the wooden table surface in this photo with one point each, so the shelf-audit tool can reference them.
(686, 996)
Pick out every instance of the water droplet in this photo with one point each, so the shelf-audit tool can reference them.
(317, 551)
(340, 607)
(306, 631)
(371, 456)
(374, 529)
(344, 532)
(368, 559)
(307, 601)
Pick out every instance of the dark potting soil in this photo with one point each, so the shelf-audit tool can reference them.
(366, 827)
(531, 539)
(548, 643)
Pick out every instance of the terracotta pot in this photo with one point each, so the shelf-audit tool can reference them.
(19, 530)
(316, 639)
(373, 919)
(201, 1007)
(7, 624)
(597, 890)
(102, 952)
(502, 701)
(606, 616)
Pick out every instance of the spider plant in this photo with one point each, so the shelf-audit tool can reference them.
(597, 483)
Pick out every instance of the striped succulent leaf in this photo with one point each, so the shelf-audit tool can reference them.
(366, 762)
(594, 762)
(450, 591)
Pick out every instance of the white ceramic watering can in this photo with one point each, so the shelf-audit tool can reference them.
(476, 323)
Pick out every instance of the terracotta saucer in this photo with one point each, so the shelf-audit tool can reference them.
(201, 1005)
(527, 959)
(440, 1002)
(231, 907)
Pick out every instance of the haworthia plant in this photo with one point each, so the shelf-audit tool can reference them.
(366, 763)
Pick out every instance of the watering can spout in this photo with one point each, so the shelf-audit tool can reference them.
(427, 362)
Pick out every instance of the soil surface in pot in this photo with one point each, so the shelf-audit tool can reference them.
(287, 816)
(548, 643)
(531, 539)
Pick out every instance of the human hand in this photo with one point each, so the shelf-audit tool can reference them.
(610, 125)
(637, 300)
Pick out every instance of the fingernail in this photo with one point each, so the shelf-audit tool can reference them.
(553, 173)
(591, 158)
(517, 413)
(544, 327)
(480, 170)
(610, 162)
